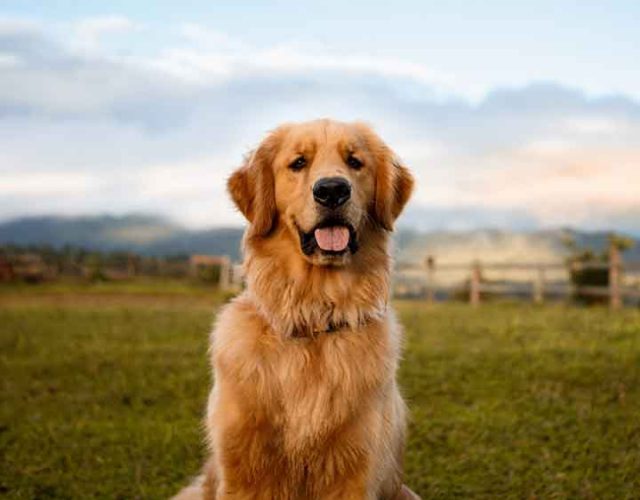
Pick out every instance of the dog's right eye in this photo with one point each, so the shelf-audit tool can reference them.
(298, 164)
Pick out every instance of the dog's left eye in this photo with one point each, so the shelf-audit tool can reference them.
(353, 162)
(298, 164)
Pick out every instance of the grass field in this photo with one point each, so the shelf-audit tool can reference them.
(102, 390)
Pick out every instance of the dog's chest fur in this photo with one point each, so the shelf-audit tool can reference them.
(324, 381)
(308, 389)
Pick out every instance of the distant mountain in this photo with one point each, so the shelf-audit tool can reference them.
(499, 246)
(151, 235)
(143, 234)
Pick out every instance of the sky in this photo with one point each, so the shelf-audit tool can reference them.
(514, 115)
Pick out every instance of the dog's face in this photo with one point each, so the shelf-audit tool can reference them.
(327, 182)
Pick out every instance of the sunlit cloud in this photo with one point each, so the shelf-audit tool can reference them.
(594, 125)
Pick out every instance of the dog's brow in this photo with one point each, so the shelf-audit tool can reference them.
(350, 146)
(305, 146)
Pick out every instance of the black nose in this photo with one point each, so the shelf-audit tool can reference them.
(332, 192)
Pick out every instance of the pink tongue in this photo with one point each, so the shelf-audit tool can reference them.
(333, 239)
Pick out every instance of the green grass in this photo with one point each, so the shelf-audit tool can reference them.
(102, 396)
(523, 402)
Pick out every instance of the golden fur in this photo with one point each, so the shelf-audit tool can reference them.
(305, 403)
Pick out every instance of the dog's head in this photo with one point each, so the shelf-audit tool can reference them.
(329, 184)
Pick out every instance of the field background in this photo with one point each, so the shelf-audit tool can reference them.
(103, 386)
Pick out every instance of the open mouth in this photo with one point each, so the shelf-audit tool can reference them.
(331, 236)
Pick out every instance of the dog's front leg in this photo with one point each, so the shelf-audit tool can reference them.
(247, 448)
(248, 468)
(353, 488)
(342, 468)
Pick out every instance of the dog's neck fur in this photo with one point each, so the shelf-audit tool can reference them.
(299, 299)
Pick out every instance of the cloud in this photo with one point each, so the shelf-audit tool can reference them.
(87, 127)
(35, 184)
(95, 27)
(90, 32)
(15, 27)
(8, 61)
(73, 81)
(205, 38)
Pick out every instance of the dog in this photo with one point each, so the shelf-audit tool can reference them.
(305, 403)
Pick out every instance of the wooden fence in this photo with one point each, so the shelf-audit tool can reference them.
(539, 287)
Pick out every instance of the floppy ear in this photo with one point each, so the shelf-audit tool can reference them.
(252, 188)
(394, 184)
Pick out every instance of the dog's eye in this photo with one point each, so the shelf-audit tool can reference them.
(353, 162)
(298, 164)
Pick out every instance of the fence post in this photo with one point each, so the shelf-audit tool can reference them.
(615, 300)
(431, 269)
(131, 266)
(474, 285)
(225, 273)
(538, 286)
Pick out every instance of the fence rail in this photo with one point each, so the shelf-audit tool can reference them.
(539, 287)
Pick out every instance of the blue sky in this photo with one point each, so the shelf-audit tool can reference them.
(512, 114)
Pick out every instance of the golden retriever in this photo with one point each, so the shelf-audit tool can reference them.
(305, 403)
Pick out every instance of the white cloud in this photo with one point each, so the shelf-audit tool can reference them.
(194, 67)
(84, 128)
(90, 31)
(13, 26)
(287, 59)
(35, 184)
(9, 61)
(549, 146)
(206, 38)
(594, 125)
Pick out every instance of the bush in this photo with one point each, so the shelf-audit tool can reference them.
(208, 274)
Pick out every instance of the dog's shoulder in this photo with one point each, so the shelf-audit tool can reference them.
(239, 334)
